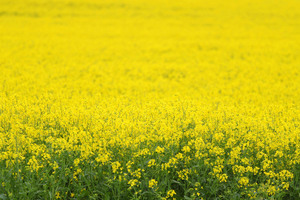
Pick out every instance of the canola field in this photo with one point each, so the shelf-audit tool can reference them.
(149, 99)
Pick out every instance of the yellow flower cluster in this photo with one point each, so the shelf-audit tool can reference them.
(131, 96)
(152, 183)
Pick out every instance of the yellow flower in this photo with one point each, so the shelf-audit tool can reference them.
(152, 183)
(186, 149)
(171, 193)
(115, 166)
(76, 162)
(183, 174)
(159, 149)
(244, 181)
(132, 183)
(223, 178)
(151, 163)
(55, 165)
(57, 195)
